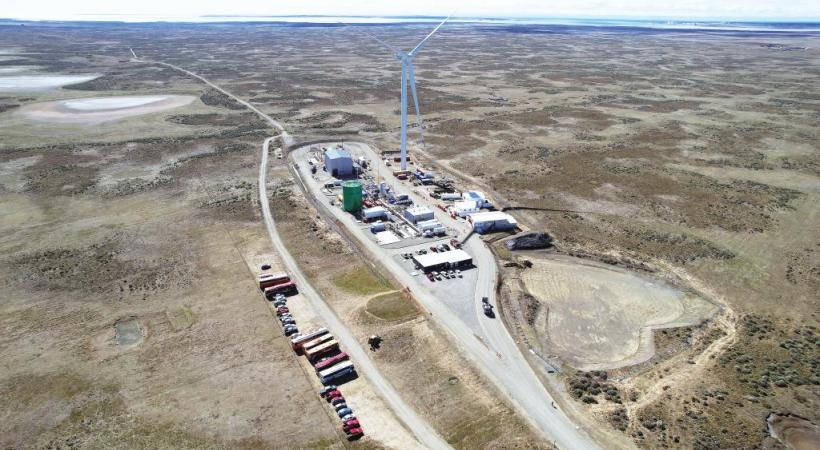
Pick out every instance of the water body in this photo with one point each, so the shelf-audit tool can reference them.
(23, 83)
(104, 104)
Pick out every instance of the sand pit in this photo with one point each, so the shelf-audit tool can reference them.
(36, 82)
(598, 317)
(101, 109)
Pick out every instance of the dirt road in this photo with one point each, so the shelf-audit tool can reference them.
(420, 428)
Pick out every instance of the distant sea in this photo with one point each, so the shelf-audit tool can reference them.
(660, 24)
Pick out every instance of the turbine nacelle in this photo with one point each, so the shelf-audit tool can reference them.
(408, 74)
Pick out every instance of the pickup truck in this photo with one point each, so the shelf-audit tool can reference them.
(488, 310)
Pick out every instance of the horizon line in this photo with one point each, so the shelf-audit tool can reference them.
(466, 18)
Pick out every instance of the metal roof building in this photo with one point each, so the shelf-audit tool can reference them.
(338, 162)
(477, 197)
(465, 207)
(454, 259)
(484, 222)
(418, 213)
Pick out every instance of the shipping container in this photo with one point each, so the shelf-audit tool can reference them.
(298, 342)
(320, 350)
(335, 372)
(315, 342)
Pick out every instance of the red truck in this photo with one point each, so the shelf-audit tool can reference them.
(324, 364)
(267, 280)
(287, 288)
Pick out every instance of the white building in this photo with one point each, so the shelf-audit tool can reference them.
(477, 197)
(464, 208)
(485, 222)
(375, 212)
(454, 259)
(428, 224)
(338, 162)
(418, 213)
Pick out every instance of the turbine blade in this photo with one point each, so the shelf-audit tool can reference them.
(417, 48)
(412, 73)
(385, 44)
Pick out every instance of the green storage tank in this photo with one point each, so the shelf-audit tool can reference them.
(352, 196)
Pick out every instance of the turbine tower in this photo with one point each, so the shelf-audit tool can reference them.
(408, 74)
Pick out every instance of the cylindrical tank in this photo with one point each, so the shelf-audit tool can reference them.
(352, 196)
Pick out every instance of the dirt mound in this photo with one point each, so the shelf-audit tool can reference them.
(529, 241)
(793, 431)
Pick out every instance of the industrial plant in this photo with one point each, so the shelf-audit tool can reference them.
(404, 208)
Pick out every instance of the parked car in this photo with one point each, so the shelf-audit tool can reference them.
(430, 276)
(331, 394)
(290, 332)
(446, 247)
(324, 391)
(337, 400)
(344, 411)
(434, 249)
(282, 310)
(340, 406)
(278, 303)
(348, 417)
(289, 321)
(354, 433)
(352, 423)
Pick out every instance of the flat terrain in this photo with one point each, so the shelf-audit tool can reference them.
(687, 156)
(598, 317)
(129, 315)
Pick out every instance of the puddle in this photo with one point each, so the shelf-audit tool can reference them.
(128, 331)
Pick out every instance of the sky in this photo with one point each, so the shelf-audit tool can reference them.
(793, 10)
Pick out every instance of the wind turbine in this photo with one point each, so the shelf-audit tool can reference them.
(408, 74)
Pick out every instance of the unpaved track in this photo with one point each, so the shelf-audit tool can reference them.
(425, 433)
(420, 428)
